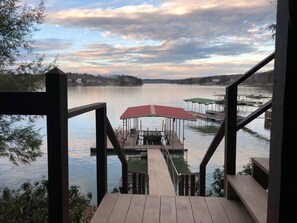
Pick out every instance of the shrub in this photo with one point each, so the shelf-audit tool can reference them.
(29, 203)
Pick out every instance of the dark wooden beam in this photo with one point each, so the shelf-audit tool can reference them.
(57, 139)
(101, 153)
(117, 148)
(282, 194)
(230, 131)
(253, 115)
(72, 112)
(209, 153)
(23, 103)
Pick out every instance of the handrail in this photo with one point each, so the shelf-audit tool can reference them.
(72, 112)
(211, 150)
(253, 70)
(243, 122)
(173, 168)
(111, 135)
(121, 155)
(240, 124)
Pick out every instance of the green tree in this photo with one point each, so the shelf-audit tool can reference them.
(218, 183)
(17, 24)
(19, 139)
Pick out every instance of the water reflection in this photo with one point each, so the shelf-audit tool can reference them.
(198, 135)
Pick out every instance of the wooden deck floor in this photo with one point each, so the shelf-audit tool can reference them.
(128, 208)
(160, 182)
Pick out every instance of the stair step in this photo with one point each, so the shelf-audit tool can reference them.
(260, 170)
(251, 194)
(262, 163)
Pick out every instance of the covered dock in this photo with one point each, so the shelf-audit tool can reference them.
(171, 129)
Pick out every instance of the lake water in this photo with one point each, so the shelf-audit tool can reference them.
(253, 141)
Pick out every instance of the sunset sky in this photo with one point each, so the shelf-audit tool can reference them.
(157, 38)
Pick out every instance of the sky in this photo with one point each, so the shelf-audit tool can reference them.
(157, 38)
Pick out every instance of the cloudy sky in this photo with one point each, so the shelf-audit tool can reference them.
(157, 38)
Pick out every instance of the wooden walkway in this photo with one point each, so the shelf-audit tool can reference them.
(160, 182)
(128, 208)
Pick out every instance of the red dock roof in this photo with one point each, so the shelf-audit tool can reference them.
(157, 111)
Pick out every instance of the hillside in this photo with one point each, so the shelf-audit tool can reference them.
(261, 78)
(75, 79)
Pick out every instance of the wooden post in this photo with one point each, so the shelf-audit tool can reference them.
(187, 185)
(230, 131)
(193, 185)
(282, 171)
(134, 188)
(57, 133)
(101, 153)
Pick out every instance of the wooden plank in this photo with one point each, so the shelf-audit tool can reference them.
(260, 170)
(200, 210)
(168, 209)
(136, 209)
(216, 210)
(152, 209)
(120, 209)
(252, 195)
(103, 211)
(262, 163)
(233, 211)
(160, 182)
(184, 209)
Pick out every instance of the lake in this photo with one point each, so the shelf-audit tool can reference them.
(253, 141)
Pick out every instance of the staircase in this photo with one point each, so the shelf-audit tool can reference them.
(251, 190)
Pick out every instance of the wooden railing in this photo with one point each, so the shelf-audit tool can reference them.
(138, 182)
(53, 104)
(230, 126)
(187, 184)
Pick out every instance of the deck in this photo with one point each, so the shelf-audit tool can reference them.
(120, 208)
(160, 182)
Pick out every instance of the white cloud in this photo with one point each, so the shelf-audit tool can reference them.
(182, 32)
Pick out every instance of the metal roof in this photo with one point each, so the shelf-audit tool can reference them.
(201, 101)
(157, 111)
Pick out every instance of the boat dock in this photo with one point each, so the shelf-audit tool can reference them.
(129, 143)
(133, 137)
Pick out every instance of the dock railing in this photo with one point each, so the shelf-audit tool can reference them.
(184, 183)
(53, 104)
(230, 126)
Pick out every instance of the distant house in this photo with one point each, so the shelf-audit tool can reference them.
(216, 81)
(79, 81)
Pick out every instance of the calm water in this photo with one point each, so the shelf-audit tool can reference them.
(251, 142)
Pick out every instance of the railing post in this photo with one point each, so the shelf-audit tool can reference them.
(193, 178)
(57, 133)
(101, 153)
(202, 173)
(230, 131)
(134, 187)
